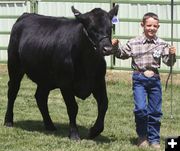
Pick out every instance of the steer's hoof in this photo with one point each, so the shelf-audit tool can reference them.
(94, 133)
(74, 134)
(8, 124)
(74, 137)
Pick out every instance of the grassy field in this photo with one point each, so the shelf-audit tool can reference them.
(119, 134)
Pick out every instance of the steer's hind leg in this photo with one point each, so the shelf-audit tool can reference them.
(100, 95)
(42, 102)
(15, 76)
(72, 110)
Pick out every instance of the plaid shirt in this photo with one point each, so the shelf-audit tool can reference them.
(145, 54)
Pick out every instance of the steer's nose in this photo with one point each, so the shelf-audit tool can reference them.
(108, 48)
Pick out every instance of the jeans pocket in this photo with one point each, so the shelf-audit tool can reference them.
(136, 76)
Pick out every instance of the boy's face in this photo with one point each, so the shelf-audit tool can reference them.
(150, 26)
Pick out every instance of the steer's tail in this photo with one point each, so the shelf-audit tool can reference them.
(15, 72)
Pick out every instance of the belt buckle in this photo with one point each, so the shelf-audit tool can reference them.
(148, 73)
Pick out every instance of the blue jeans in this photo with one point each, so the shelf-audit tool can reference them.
(148, 102)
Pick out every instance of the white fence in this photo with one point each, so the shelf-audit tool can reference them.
(130, 14)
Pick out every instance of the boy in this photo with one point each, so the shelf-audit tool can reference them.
(146, 52)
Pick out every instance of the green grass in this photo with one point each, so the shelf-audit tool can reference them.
(28, 132)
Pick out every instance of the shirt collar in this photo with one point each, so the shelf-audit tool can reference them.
(146, 40)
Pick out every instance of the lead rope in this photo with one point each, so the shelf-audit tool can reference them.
(171, 57)
(171, 67)
(92, 42)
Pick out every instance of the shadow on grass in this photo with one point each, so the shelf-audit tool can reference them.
(62, 130)
(133, 141)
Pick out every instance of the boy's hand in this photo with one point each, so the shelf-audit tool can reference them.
(115, 42)
(172, 50)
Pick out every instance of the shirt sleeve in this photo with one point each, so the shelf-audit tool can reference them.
(123, 51)
(168, 59)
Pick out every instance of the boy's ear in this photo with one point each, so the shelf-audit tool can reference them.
(142, 24)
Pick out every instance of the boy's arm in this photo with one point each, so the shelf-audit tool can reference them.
(120, 51)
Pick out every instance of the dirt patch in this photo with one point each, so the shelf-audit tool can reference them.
(3, 69)
(118, 75)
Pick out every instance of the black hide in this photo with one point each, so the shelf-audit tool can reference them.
(57, 52)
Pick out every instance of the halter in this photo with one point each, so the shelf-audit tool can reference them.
(92, 42)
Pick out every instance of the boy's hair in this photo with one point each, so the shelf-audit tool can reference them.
(148, 15)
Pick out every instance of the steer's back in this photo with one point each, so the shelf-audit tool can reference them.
(44, 46)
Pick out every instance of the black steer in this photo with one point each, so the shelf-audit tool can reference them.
(57, 52)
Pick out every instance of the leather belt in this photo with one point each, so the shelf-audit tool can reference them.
(148, 73)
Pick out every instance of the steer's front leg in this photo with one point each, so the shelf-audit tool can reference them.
(100, 95)
(72, 110)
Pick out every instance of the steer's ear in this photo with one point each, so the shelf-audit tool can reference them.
(113, 12)
(75, 11)
(78, 15)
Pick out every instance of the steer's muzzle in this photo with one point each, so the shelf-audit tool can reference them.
(107, 50)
